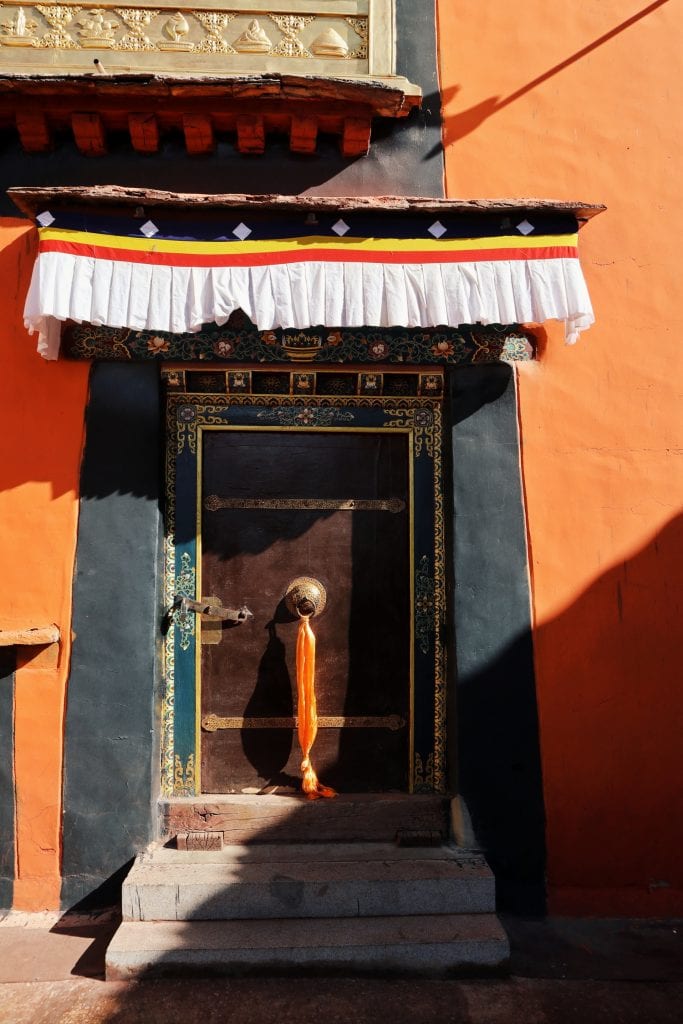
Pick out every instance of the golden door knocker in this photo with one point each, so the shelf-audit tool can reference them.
(306, 597)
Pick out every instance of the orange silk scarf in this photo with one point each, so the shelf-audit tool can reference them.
(307, 710)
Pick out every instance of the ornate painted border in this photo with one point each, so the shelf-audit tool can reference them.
(421, 420)
(238, 341)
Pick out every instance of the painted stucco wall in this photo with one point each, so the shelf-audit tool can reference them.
(40, 452)
(581, 102)
(44, 405)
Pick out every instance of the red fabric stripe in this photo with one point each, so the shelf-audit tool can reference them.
(174, 259)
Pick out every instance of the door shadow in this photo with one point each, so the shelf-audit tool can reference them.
(269, 750)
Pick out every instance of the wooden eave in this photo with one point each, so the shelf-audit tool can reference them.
(247, 107)
(35, 199)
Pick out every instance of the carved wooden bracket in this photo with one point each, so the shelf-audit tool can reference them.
(247, 69)
(244, 110)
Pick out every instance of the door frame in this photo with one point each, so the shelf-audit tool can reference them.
(188, 417)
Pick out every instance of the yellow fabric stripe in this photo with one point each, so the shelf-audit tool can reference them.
(308, 242)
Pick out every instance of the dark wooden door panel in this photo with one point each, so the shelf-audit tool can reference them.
(363, 644)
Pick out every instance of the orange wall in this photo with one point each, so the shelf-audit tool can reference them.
(601, 423)
(43, 410)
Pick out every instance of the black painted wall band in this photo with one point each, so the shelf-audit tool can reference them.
(7, 812)
(109, 775)
(497, 765)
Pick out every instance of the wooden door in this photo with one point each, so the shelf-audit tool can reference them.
(270, 513)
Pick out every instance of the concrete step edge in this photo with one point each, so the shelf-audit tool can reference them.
(462, 943)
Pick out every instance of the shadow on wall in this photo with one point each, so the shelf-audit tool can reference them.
(608, 672)
(611, 718)
(461, 123)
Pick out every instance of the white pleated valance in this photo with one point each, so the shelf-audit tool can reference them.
(329, 274)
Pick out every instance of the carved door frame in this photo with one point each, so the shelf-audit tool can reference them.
(188, 417)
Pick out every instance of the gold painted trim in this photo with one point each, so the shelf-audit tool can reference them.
(212, 723)
(411, 563)
(198, 576)
(213, 503)
(423, 430)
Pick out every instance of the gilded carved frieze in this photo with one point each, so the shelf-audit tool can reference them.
(319, 37)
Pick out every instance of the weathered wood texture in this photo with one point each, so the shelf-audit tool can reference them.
(89, 134)
(29, 636)
(199, 841)
(144, 132)
(277, 819)
(34, 131)
(32, 200)
(199, 137)
(251, 107)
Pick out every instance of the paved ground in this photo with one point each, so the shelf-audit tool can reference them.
(563, 972)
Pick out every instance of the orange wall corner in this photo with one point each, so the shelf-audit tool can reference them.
(44, 405)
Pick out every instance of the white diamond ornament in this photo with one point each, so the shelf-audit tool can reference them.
(437, 229)
(341, 227)
(525, 228)
(241, 231)
(149, 229)
(45, 219)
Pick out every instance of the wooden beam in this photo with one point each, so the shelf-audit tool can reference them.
(356, 136)
(89, 134)
(251, 134)
(303, 134)
(32, 199)
(199, 138)
(144, 132)
(29, 636)
(34, 131)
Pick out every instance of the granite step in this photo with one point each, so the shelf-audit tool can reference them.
(325, 880)
(429, 946)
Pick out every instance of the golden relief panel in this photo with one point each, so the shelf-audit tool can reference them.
(328, 37)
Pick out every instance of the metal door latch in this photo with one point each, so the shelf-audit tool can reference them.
(212, 612)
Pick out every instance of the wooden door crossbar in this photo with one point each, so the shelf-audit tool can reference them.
(212, 723)
(213, 503)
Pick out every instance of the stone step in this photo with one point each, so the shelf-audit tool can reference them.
(443, 945)
(282, 818)
(306, 881)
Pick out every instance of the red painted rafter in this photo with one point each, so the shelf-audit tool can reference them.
(244, 110)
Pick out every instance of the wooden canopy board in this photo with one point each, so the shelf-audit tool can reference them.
(264, 488)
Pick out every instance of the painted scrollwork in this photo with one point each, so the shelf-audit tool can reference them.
(214, 22)
(361, 27)
(138, 20)
(290, 25)
(144, 29)
(58, 16)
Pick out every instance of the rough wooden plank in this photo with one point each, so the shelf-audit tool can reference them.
(273, 819)
(303, 134)
(144, 132)
(31, 200)
(89, 134)
(251, 134)
(194, 841)
(199, 138)
(380, 98)
(356, 136)
(29, 636)
(34, 131)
